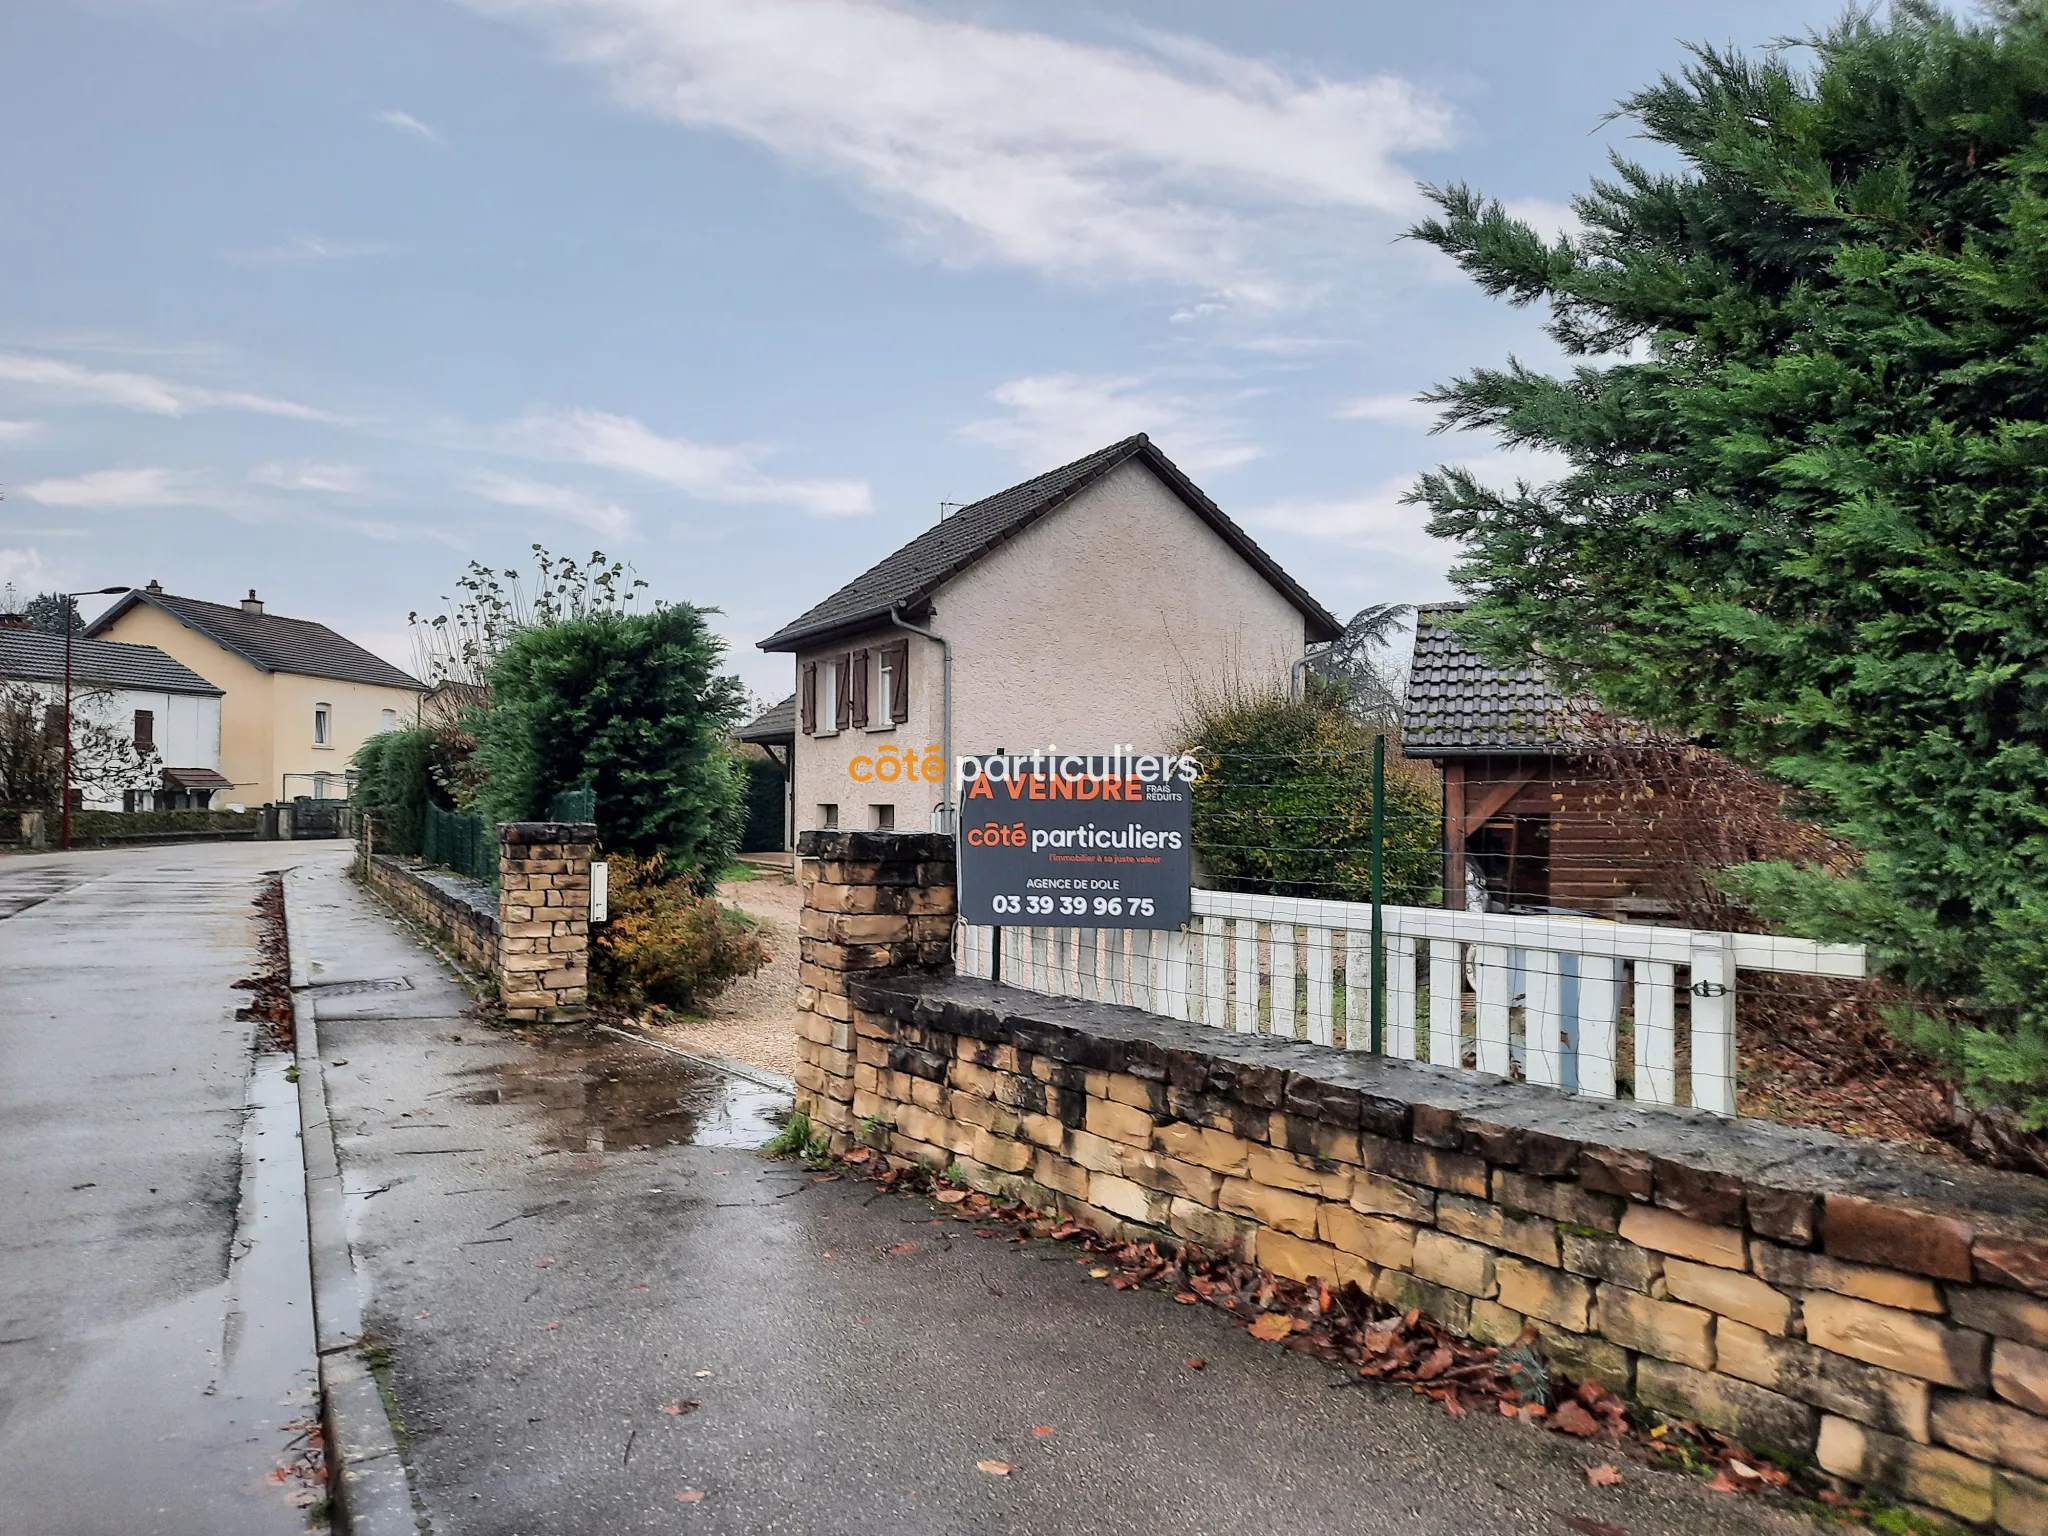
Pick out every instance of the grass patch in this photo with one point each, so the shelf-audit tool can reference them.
(797, 1139)
(735, 873)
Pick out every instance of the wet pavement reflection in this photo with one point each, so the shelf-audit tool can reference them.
(597, 1094)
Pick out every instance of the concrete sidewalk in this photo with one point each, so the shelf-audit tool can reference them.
(564, 1240)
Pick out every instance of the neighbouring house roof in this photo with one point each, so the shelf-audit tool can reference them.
(29, 655)
(448, 699)
(269, 642)
(1459, 704)
(196, 779)
(907, 579)
(773, 727)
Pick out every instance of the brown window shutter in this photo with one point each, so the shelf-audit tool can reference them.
(857, 689)
(145, 730)
(842, 713)
(899, 685)
(807, 694)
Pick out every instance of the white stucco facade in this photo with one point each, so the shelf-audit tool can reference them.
(1095, 626)
(185, 727)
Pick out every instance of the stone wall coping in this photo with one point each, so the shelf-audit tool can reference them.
(473, 896)
(1539, 1130)
(874, 847)
(528, 833)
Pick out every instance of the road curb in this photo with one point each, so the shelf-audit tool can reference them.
(367, 1478)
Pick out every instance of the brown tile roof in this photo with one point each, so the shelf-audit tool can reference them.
(269, 642)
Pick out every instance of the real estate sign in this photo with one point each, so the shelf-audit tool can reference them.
(1076, 840)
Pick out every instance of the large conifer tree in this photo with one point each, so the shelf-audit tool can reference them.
(1806, 516)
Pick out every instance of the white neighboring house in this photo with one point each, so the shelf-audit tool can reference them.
(140, 695)
(1083, 608)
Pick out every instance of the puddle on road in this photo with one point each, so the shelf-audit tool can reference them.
(611, 1096)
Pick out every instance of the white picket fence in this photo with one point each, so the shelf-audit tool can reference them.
(1569, 1003)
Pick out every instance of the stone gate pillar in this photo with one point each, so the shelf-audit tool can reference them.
(544, 919)
(872, 901)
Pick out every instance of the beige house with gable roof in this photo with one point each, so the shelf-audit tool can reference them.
(297, 698)
(1082, 607)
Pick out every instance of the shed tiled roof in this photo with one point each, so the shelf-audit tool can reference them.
(907, 579)
(269, 642)
(29, 655)
(774, 725)
(1459, 704)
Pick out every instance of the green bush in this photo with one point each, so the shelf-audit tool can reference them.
(664, 944)
(395, 782)
(1284, 802)
(634, 707)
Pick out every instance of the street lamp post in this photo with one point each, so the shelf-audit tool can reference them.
(71, 623)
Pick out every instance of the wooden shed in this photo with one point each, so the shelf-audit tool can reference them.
(1529, 807)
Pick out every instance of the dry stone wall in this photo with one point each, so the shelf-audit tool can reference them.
(1883, 1314)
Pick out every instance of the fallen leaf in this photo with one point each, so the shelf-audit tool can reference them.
(1603, 1476)
(1041, 1430)
(862, 1321)
(687, 1405)
(703, 1373)
(950, 1196)
(1508, 1410)
(1187, 1298)
(859, 1155)
(641, 1286)
(1571, 1419)
(1272, 1327)
(690, 1496)
(554, 1325)
(543, 1263)
(828, 1254)
(1720, 1484)
(418, 1315)
(995, 1468)
(1098, 1272)
(901, 1248)
(1587, 1527)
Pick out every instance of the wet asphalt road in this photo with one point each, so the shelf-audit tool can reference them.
(554, 1255)
(155, 1318)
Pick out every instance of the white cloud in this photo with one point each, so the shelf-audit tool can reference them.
(1054, 417)
(1394, 410)
(1378, 521)
(1548, 219)
(606, 518)
(1170, 159)
(336, 479)
(707, 471)
(405, 122)
(18, 431)
(22, 569)
(52, 378)
(116, 490)
(301, 249)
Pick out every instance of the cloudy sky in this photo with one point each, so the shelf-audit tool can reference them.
(327, 297)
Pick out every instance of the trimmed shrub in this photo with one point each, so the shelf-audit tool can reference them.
(1284, 803)
(665, 945)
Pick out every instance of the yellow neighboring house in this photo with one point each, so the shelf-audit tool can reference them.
(298, 699)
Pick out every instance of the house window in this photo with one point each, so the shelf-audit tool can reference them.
(885, 817)
(828, 816)
(829, 696)
(323, 726)
(887, 669)
(388, 721)
(145, 730)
